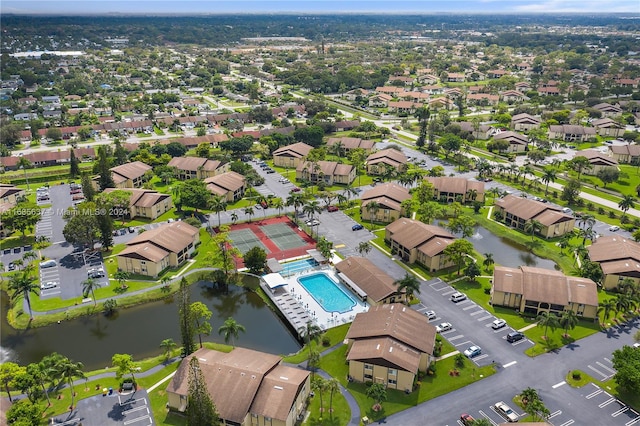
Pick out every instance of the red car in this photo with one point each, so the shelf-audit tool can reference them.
(296, 189)
(332, 209)
(466, 419)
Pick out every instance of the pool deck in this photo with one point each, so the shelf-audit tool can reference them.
(299, 307)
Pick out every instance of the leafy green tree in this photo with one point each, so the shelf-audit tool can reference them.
(186, 321)
(194, 194)
(532, 227)
(8, 372)
(200, 316)
(105, 179)
(168, 345)
(218, 204)
(377, 392)
(23, 413)
(450, 143)
(310, 332)
(74, 165)
(87, 187)
(364, 248)
(608, 175)
(591, 270)
(472, 271)
(458, 251)
(22, 217)
(231, 330)
(463, 224)
(125, 365)
(82, 224)
(579, 164)
(324, 246)
(200, 408)
(409, 284)
(255, 259)
(547, 320)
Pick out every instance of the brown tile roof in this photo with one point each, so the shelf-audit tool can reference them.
(141, 197)
(596, 157)
(173, 237)
(570, 129)
(388, 156)
(411, 233)
(132, 170)
(396, 321)
(277, 392)
(456, 185)
(434, 246)
(225, 182)
(145, 250)
(545, 285)
(525, 118)
(526, 209)
(512, 137)
(352, 143)
(385, 349)
(296, 150)
(616, 255)
(390, 195)
(372, 280)
(8, 190)
(194, 163)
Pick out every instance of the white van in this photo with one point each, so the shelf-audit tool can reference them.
(457, 297)
(48, 264)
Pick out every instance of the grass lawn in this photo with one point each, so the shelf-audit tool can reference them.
(428, 388)
(335, 410)
(629, 398)
(335, 335)
(17, 240)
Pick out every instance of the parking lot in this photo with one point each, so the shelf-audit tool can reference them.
(116, 410)
(620, 412)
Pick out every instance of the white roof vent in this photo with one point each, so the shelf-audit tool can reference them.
(284, 378)
(390, 349)
(278, 387)
(378, 347)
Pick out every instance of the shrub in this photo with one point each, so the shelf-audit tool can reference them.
(612, 214)
(326, 341)
(575, 374)
(487, 290)
(600, 210)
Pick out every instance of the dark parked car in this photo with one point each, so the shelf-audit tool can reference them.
(357, 227)
(514, 336)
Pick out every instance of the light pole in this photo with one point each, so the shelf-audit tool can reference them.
(25, 177)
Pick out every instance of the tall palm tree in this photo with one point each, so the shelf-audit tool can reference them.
(234, 217)
(295, 199)
(547, 320)
(548, 177)
(249, 212)
(310, 332)
(332, 386)
(586, 220)
(311, 208)
(88, 286)
(168, 345)
(488, 260)
(278, 203)
(319, 385)
(121, 276)
(40, 243)
(606, 308)
(68, 370)
(218, 204)
(372, 208)
(409, 284)
(627, 202)
(568, 321)
(29, 256)
(22, 284)
(231, 330)
(532, 226)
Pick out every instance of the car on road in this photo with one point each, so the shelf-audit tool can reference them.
(514, 337)
(270, 171)
(497, 324)
(48, 264)
(457, 297)
(505, 411)
(466, 419)
(614, 228)
(357, 227)
(48, 285)
(314, 222)
(332, 209)
(131, 229)
(567, 210)
(636, 345)
(445, 326)
(296, 189)
(430, 314)
(473, 351)
(11, 266)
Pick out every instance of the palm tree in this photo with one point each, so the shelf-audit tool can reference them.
(547, 320)
(22, 284)
(319, 385)
(295, 199)
(311, 208)
(586, 234)
(548, 177)
(278, 203)
(218, 204)
(234, 217)
(313, 361)
(231, 330)
(67, 369)
(364, 248)
(623, 302)
(121, 276)
(88, 286)
(529, 395)
(409, 284)
(568, 321)
(249, 212)
(532, 226)
(168, 345)
(310, 332)
(348, 191)
(586, 221)
(332, 387)
(29, 256)
(627, 202)
(40, 243)
(372, 208)
(488, 260)
(471, 195)
(606, 308)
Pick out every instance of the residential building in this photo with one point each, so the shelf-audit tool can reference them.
(524, 122)
(380, 100)
(608, 110)
(146, 203)
(390, 90)
(330, 172)
(404, 107)
(479, 131)
(130, 175)
(625, 154)
(598, 160)
(608, 127)
(618, 257)
(390, 344)
(197, 167)
(415, 241)
(291, 155)
(450, 189)
(571, 133)
(153, 251)
(248, 388)
(229, 185)
(517, 141)
(512, 96)
(388, 198)
(369, 282)
(379, 162)
(535, 290)
(10, 194)
(482, 99)
(517, 211)
(347, 144)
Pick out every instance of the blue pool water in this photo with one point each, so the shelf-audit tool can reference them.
(327, 293)
(296, 266)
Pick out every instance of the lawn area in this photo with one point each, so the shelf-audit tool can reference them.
(335, 410)
(428, 388)
(629, 398)
(335, 335)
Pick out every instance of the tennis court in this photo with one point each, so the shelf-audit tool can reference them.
(283, 236)
(245, 239)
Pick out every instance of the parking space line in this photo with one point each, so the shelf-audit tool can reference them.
(433, 286)
(485, 318)
(470, 307)
(597, 371)
(568, 422)
(607, 402)
(483, 414)
(477, 312)
(610, 370)
(555, 413)
(449, 292)
(479, 357)
(128, 422)
(459, 336)
(594, 393)
(466, 342)
(557, 385)
(633, 421)
(620, 411)
(509, 364)
(142, 407)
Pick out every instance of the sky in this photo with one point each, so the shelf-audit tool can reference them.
(156, 7)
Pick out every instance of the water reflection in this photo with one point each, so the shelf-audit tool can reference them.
(139, 330)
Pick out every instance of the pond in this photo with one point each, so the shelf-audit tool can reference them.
(139, 330)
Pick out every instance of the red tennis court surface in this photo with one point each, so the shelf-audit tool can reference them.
(275, 235)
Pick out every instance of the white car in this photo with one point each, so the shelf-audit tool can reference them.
(457, 297)
(314, 222)
(505, 411)
(473, 351)
(48, 264)
(614, 228)
(497, 324)
(445, 326)
(430, 314)
(48, 285)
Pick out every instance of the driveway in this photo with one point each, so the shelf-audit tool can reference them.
(133, 409)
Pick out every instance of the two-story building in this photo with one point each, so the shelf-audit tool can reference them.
(329, 172)
(598, 161)
(229, 185)
(524, 122)
(388, 198)
(449, 189)
(517, 211)
(197, 167)
(619, 259)
(415, 241)
(517, 141)
(348, 144)
(130, 175)
(291, 155)
(145, 202)
(387, 159)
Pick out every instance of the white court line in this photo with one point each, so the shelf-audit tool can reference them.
(557, 385)
(510, 364)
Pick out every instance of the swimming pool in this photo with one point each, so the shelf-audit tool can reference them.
(296, 266)
(328, 293)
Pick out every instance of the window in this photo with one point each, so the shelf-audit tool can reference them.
(368, 377)
(393, 372)
(392, 382)
(368, 366)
